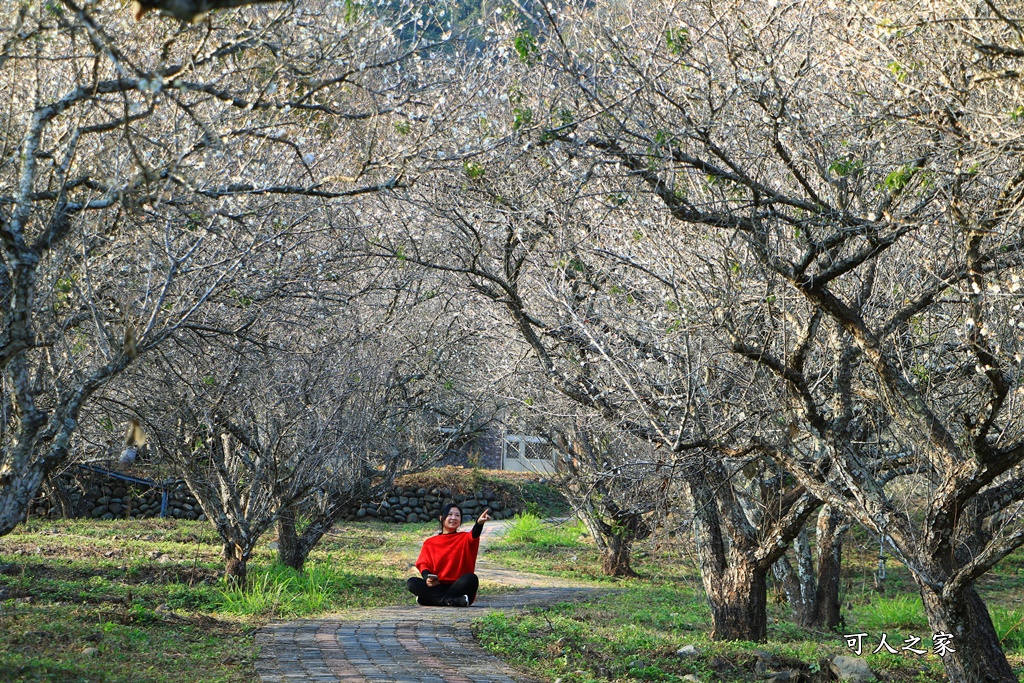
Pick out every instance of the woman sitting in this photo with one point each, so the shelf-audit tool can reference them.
(447, 561)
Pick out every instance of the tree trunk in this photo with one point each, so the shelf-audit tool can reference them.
(830, 533)
(615, 539)
(615, 555)
(799, 586)
(235, 565)
(813, 593)
(738, 604)
(17, 489)
(736, 585)
(975, 655)
(293, 548)
(289, 549)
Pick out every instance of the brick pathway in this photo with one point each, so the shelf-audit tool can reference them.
(406, 644)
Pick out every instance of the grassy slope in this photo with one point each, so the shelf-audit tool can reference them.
(633, 635)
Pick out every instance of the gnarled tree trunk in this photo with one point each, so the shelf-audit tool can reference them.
(800, 583)
(734, 569)
(323, 512)
(832, 528)
(38, 447)
(974, 655)
(614, 540)
(615, 555)
(611, 516)
(738, 598)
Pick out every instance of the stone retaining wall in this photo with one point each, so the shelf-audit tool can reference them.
(94, 495)
(419, 504)
(101, 497)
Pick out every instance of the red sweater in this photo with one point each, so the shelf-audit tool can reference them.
(449, 555)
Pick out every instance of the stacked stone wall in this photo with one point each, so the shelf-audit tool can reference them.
(421, 504)
(92, 494)
(98, 496)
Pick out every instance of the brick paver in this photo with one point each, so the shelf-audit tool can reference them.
(406, 644)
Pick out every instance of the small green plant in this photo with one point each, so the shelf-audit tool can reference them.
(352, 10)
(896, 180)
(280, 590)
(317, 586)
(899, 71)
(846, 167)
(920, 372)
(265, 594)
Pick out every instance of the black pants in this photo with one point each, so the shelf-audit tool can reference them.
(467, 584)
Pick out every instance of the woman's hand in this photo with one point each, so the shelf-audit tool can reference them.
(432, 580)
(485, 516)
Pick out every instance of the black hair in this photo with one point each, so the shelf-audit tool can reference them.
(444, 513)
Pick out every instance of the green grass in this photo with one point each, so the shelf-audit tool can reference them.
(528, 529)
(633, 635)
(901, 612)
(627, 636)
(1009, 624)
(325, 585)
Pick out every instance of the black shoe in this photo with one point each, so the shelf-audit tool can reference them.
(457, 601)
